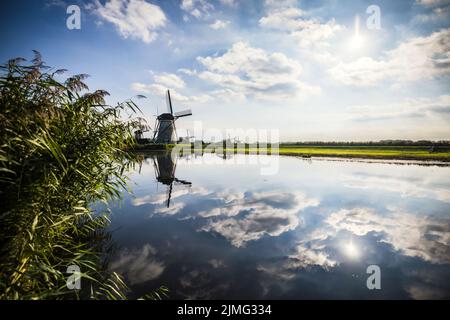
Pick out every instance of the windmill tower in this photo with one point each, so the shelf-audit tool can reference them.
(165, 131)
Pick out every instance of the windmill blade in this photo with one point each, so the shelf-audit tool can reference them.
(169, 194)
(169, 103)
(184, 113)
(184, 182)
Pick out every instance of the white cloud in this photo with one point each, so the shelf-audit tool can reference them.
(217, 263)
(249, 71)
(312, 256)
(161, 198)
(433, 2)
(230, 3)
(316, 33)
(199, 9)
(287, 19)
(438, 107)
(436, 11)
(420, 58)
(305, 31)
(188, 72)
(426, 238)
(249, 217)
(417, 186)
(163, 82)
(139, 265)
(436, 15)
(280, 3)
(363, 72)
(56, 3)
(136, 19)
(170, 80)
(219, 24)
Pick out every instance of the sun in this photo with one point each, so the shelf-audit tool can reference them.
(351, 250)
(357, 40)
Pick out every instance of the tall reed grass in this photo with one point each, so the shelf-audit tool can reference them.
(62, 148)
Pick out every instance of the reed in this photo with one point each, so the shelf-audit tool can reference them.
(62, 149)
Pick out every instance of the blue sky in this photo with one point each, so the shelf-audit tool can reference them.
(297, 66)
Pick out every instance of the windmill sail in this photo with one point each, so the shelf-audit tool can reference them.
(169, 103)
(184, 113)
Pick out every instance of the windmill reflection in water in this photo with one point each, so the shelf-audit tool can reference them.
(165, 168)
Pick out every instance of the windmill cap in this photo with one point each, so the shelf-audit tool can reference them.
(166, 116)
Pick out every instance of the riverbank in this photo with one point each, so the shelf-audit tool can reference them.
(418, 153)
(363, 152)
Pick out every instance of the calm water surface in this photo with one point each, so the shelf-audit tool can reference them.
(309, 231)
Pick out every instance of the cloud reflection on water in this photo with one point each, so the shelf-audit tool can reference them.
(139, 265)
(295, 232)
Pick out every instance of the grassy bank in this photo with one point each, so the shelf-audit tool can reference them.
(418, 153)
(369, 152)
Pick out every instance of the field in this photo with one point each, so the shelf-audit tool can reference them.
(370, 152)
(421, 153)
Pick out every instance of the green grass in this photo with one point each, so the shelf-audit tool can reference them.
(366, 152)
(411, 153)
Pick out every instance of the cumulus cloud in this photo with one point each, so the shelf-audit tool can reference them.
(202, 284)
(199, 9)
(412, 235)
(305, 31)
(239, 217)
(433, 2)
(412, 108)
(287, 19)
(219, 24)
(435, 11)
(244, 70)
(437, 14)
(229, 3)
(170, 80)
(138, 265)
(310, 256)
(254, 226)
(251, 216)
(416, 236)
(419, 58)
(305, 255)
(164, 81)
(188, 72)
(136, 19)
(416, 186)
(280, 3)
(161, 198)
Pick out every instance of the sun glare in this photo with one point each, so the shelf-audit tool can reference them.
(351, 250)
(357, 40)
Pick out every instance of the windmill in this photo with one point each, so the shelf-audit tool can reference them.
(165, 127)
(188, 137)
(141, 128)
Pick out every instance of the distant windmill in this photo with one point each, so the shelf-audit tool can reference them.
(188, 137)
(141, 128)
(165, 127)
